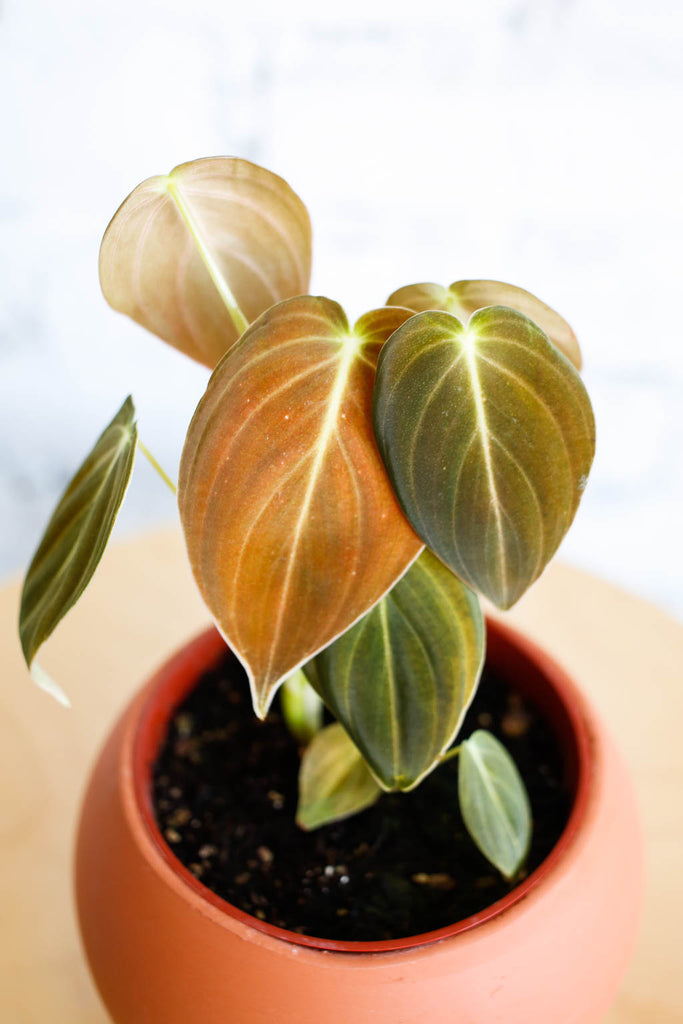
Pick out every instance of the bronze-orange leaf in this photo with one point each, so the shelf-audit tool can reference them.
(291, 525)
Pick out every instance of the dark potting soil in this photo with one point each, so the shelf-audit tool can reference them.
(225, 794)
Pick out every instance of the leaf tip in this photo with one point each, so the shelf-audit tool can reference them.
(128, 409)
(261, 703)
(403, 783)
(302, 823)
(48, 684)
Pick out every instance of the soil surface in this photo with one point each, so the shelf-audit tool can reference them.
(225, 793)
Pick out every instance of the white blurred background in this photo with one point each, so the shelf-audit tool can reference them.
(532, 141)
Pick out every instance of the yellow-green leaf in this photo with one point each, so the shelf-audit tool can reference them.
(291, 525)
(302, 708)
(488, 436)
(334, 780)
(196, 254)
(401, 680)
(463, 298)
(76, 536)
(493, 802)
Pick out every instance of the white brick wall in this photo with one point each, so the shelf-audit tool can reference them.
(536, 141)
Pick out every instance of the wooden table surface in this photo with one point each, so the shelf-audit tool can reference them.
(627, 654)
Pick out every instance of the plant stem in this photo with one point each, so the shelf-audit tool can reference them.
(153, 462)
(450, 754)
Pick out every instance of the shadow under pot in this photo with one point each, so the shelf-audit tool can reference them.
(165, 949)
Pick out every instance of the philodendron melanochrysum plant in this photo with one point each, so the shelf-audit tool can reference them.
(346, 491)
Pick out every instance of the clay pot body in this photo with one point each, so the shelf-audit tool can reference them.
(165, 950)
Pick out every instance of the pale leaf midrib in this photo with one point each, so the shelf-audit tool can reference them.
(327, 431)
(483, 432)
(236, 315)
(484, 776)
(189, 484)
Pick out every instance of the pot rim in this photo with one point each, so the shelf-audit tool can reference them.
(174, 680)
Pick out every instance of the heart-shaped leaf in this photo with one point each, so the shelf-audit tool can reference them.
(291, 524)
(76, 537)
(334, 780)
(493, 802)
(465, 297)
(402, 679)
(196, 254)
(488, 436)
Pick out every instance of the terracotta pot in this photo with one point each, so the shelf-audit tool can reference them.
(165, 950)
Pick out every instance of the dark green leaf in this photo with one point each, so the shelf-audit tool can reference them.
(334, 780)
(494, 802)
(76, 537)
(401, 679)
(487, 433)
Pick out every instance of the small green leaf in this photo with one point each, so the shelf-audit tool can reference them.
(488, 435)
(76, 537)
(493, 802)
(334, 780)
(302, 708)
(401, 679)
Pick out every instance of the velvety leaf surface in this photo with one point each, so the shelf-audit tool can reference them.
(291, 525)
(401, 680)
(186, 249)
(76, 536)
(334, 780)
(494, 802)
(488, 436)
(463, 298)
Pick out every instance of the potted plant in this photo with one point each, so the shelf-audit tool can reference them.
(346, 494)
